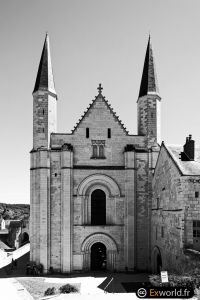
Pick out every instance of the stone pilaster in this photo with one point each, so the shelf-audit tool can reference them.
(44, 175)
(67, 208)
(129, 209)
(32, 207)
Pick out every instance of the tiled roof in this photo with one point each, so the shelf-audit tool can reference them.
(186, 167)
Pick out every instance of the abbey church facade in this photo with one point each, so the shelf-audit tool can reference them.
(91, 189)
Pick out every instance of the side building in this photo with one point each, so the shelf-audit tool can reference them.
(176, 206)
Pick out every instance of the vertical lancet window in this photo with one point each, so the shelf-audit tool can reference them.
(87, 132)
(109, 133)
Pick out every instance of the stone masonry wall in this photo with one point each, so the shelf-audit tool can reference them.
(149, 117)
(44, 118)
(167, 210)
(143, 203)
(173, 210)
(128, 214)
(191, 196)
(55, 211)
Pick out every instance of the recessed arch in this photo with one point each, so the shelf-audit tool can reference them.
(110, 246)
(98, 179)
(98, 237)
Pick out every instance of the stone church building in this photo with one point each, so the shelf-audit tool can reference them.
(91, 189)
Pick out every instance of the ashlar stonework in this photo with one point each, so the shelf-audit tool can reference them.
(91, 189)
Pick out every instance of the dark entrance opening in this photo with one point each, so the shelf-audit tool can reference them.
(25, 238)
(98, 208)
(159, 263)
(98, 257)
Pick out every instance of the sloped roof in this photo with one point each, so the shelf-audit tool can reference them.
(102, 98)
(186, 167)
(149, 82)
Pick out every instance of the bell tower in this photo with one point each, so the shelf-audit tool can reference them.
(149, 100)
(44, 101)
(44, 123)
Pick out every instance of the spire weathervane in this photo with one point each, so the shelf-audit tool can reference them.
(100, 89)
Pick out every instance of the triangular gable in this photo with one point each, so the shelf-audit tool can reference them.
(163, 146)
(86, 113)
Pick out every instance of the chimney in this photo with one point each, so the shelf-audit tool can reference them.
(188, 149)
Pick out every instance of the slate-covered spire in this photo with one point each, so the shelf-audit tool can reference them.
(149, 83)
(44, 79)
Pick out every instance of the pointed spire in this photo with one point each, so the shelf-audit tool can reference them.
(149, 83)
(44, 79)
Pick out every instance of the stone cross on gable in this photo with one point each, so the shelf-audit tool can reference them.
(100, 88)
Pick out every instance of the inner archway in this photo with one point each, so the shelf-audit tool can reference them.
(98, 257)
(98, 207)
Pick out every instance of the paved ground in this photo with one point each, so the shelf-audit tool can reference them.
(91, 283)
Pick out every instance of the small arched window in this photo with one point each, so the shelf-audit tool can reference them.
(101, 151)
(98, 149)
(95, 151)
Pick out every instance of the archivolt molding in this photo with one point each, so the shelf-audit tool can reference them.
(156, 250)
(98, 238)
(98, 179)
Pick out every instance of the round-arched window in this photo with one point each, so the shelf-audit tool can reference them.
(98, 207)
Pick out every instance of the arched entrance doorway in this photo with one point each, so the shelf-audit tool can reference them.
(94, 247)
(159, 263)
(156, 260)
(98, 207)
(98, 257)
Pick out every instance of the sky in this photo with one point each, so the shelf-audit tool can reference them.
(94, 42)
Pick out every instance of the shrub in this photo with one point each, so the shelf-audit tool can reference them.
(176, 280)
(50, 291)
(68, 288)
